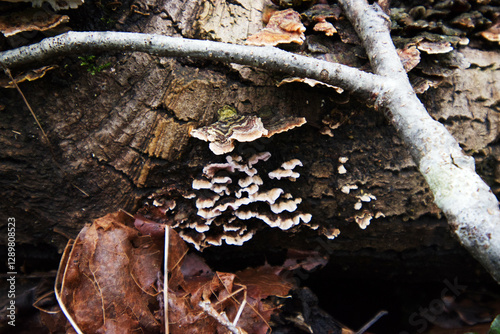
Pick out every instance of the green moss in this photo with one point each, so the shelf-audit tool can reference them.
(90, 62)
(226, 112)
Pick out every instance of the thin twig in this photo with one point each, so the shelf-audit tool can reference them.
(240, 310)
(44, 135)
(60, 280)
(165, 277)
(7, 71)
(371, 322)
(220, 317)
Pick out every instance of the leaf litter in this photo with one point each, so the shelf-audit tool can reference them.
(111, 280)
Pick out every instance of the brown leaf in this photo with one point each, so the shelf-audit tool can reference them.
(112, 283)
(109, 284)
(307, 260)
(264, 280)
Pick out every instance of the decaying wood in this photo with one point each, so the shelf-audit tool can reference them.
(133, 136)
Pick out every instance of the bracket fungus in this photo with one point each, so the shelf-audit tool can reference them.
(30, 20)
(318, 14)
(286, 170)
(228, 128)
(283, 27)
(57, 5)
(232, 200)
(232, 127)
(492, 34)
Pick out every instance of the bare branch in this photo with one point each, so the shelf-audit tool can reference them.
(269, 58)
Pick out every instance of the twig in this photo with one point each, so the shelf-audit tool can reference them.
(371, 322)
(7, 71)
(221, 318)
(269, 58)
(240, 310)
(60, 280)
(165, 277)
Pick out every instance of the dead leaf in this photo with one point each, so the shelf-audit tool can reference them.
(110, 279)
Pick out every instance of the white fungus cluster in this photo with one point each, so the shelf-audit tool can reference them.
(362, 217)
(231, 194)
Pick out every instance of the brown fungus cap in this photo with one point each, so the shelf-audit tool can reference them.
(318, 14)
(284, 27)
(30, 20)
(326, 27)
(57, 5)
(243, 128)
(310, 82)
(492, 34)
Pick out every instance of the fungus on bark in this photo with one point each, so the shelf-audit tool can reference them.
(363, 219)
(318, 15)
(492, 34)
(228, 128)
(435, 47)
(284, 27)
(30, 20)
(57, 5)
(310, 82)
(231, 127)
(232, 200)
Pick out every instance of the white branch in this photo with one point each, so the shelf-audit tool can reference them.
(269, 58)
(468, 203)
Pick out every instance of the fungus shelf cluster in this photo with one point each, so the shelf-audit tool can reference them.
(230, 194)
(231, 200)
(231, 127)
